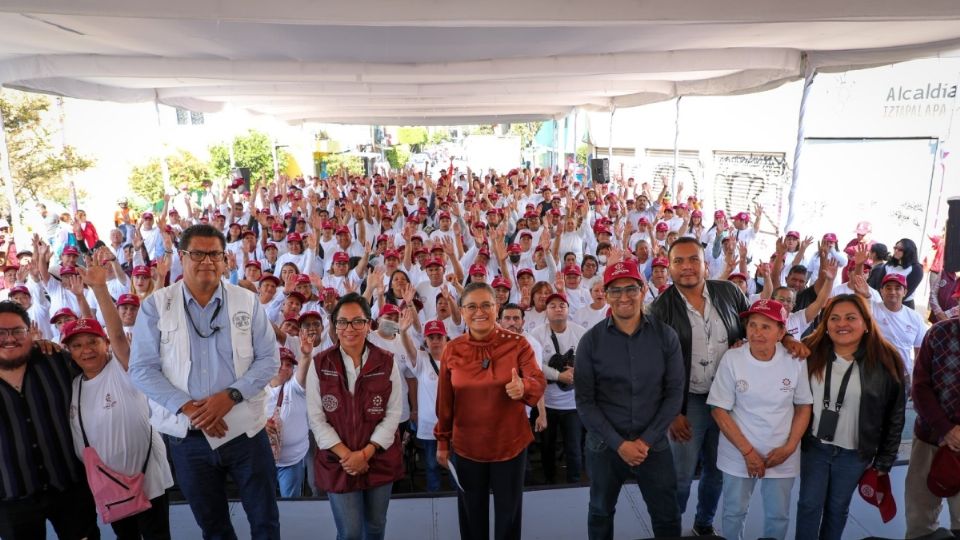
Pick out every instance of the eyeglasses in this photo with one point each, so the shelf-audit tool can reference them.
(15, 333)
(472, 308)
(199, 256)
(357, 324)
(631, 291)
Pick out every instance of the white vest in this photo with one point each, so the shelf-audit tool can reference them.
(175, 353)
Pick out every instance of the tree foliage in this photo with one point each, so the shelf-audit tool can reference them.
(353, 164)
(411, 135)
(253, 150)
(38, 167)
(398, 156)
(185, 168)
(526, 131)
(439, 135)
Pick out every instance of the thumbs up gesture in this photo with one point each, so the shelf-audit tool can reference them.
(515, 386)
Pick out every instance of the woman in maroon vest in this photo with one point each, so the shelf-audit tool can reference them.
(354, 405)
(486, 377)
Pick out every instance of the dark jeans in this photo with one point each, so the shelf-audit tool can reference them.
(72, 513)
(153, 524)
(701, 448)
(202, 474)
(829, 476)
(655, 477)
(505, 479)
(569, 423)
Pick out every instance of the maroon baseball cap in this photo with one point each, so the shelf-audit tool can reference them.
(287, 354)
(500, 281)
(270, 277)
(770, 309)
(943, 480)
(307, 314)
(557, 296)
(434, 328)
(141, 271)
(297, 296)
(70, 250)
(433, 261)
(894, 277)
(737, 275)
(478, 270)
(127, 299)
(294, 237)
(660, 261)
(68, 271)
(389, 309)
(255, 264)
(875, 489)
(572, 270)
(793, 234)
(81, 326)
(341, 257)
(662, 226)
(61, 313)
(623, 269)
(302, 278)
(523, 271)
(18, 289)
(830, 237)
(514, 249)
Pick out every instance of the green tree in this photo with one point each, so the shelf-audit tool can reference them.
(185, 168)
(439, 135)
(582, 152)
(526, 131)
(253, 150)
(38, 168)
(398, 156)
(335, 162)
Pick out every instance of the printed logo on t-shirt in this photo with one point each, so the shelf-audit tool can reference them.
(742, 386)
(786, 385)
(109, 402)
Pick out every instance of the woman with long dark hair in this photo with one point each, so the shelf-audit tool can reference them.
(858, 393)
(902, 261)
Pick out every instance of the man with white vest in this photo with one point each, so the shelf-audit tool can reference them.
(203, 352)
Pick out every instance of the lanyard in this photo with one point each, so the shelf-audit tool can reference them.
(843, 386)
(433, 363)
(214, 329)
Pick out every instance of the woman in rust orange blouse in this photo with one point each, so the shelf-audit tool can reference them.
(486, 377)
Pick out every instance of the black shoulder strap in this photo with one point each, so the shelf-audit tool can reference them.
(556, 343)
(843, 385)
(433, 363)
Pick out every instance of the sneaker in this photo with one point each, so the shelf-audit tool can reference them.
(704, 530)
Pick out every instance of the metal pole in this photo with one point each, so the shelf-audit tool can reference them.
(8, 180)
(164, 171)
(808, 75)
(610, 140)
(276, 163)
(676, 152)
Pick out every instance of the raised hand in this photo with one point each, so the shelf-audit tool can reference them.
(829, 269)
(74, 285)
(860, 254)
(94, 275)
(306, 344)
(406, 320)
(515, 386)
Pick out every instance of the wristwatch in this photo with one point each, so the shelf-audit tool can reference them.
(235, 395)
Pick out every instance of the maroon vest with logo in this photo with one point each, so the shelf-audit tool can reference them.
(354, 417)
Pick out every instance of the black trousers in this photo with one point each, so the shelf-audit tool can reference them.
(72, 513)
(153, 524)
(505, 479)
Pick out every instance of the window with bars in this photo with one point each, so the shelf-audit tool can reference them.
(189, 118)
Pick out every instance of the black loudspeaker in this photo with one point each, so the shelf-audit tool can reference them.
(600, 170)
(951, 253)
(241, 178)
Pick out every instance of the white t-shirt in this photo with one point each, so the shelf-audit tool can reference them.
(847, 434)
(844, 288)
(426, 394)
(395, 347)
(797, 323)
(294, 431)
(554, 397)
(904, 330)
(116, 418)
(760, 396)
(587, 317)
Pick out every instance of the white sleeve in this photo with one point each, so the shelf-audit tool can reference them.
(723, 391)
(803, 395)
(323, 432)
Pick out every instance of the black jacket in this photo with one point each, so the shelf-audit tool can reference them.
(882, 403)
(671, 309)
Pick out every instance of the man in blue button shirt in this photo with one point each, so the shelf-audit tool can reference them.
(629, 379)
(203, 352)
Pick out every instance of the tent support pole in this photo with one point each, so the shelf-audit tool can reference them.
(676, 151)
(610, 139)
(15, 216)
(164, 170)
(808, 75)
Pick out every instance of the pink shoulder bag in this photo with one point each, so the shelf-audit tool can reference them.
(117, 495)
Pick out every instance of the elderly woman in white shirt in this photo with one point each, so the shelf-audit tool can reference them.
(762, 402)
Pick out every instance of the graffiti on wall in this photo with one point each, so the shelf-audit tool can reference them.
(743, 179)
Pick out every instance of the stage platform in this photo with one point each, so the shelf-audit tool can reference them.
(548, 514)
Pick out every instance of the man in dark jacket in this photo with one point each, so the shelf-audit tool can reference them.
(706, 316)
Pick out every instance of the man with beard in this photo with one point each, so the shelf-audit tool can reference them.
(43, 479)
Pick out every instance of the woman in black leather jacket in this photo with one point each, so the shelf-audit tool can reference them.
(866, 432)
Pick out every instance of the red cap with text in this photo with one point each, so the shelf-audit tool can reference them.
(434, 328)
(81, 326)
(770, 309)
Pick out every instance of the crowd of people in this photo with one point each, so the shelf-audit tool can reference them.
(329, 336)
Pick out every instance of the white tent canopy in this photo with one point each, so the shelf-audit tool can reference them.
(453, 62)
